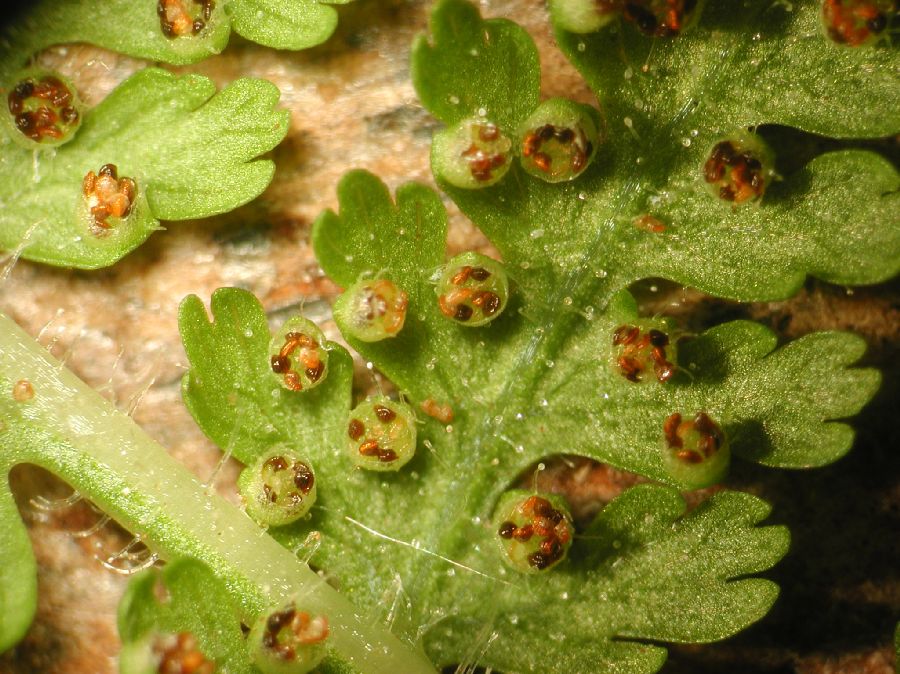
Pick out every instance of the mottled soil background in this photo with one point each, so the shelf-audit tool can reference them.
(352, 105)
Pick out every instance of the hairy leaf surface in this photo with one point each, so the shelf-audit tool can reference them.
(417, 549)
(834, 217)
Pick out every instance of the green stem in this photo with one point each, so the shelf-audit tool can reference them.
(69, 429)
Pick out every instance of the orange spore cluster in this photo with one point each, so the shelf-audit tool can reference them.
(107, 196)
(392, 313)
(455, 304)
(176, 21)
(545, 522)
(51, 113)
(308, 356)
(302, 478)
(370, 446)
(482, 162)
(23, 391)
(854, 22)
(641, 351)
(578, 146)
(738, 175)
(301, 628)
(440, 411)
(649, 224)
(178, 654)
(693, 441)
(658, 18)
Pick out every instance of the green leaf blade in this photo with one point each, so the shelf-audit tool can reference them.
(283, 24)
(194, 600)
(655, 573)
(134, 29)
(18, 574)
(232, 393)
(119, 25)
(157, 128)
(373, 236)
(762, 64)
(777, 406)
(497, 54)
(835, 220)
(73, 432)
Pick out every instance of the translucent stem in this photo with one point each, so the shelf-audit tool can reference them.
(69, 429)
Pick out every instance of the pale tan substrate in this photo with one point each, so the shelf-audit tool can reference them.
(353, 106)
